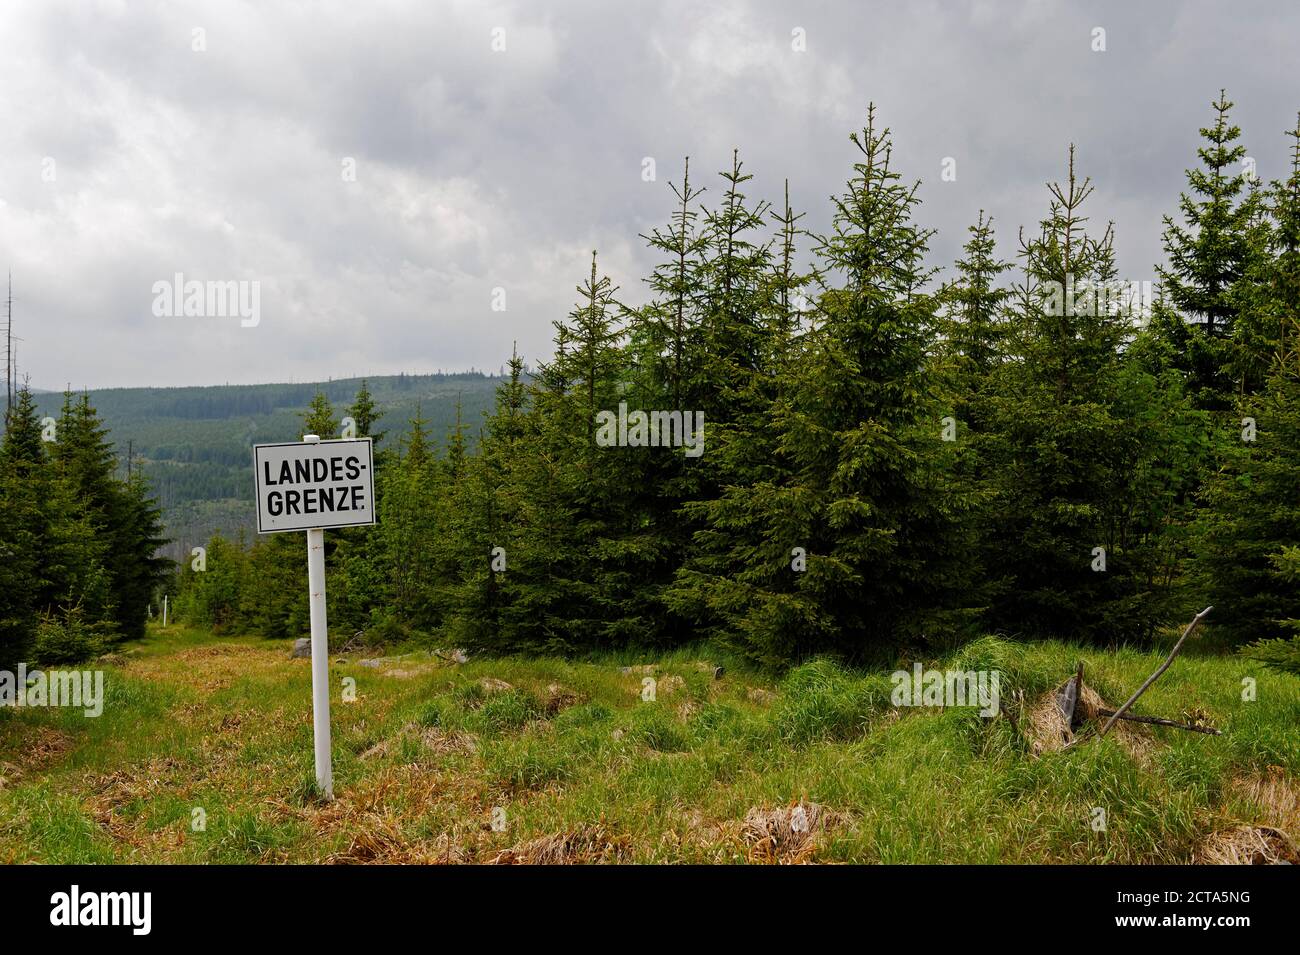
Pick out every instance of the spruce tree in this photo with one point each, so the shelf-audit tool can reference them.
(23, 448)
(1267, 332)
(1209, 254)
(366, 414)
(83, 454)
(549, 576)
(969, 359)
(1248, 528)
(455, 547)
(664, 331)
(229, 595)
(595, 359)
(735, 305)
(139, 570)
(1085, 449)
(23, 538)
(404, 560)
(844, 552)
(116, 569)
(1246, 559)
(974, 326)
(319, 419)
(357, 561)
(565, 510)
(757, 301)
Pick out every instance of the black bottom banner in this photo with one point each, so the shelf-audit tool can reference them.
(334, 904)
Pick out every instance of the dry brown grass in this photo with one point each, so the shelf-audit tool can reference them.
(434, 739)
(377, 839)
(1272, 799)
(788, 835)
(1048, 731)
(1276, 796)
(582, 846)
(33, 748)
(1246, 845)
(135, 782)
(106, 795)
(669, 685)
(373, 821)
(208, 668)
(559, 698)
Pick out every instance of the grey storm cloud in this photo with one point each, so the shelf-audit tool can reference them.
(479, 169)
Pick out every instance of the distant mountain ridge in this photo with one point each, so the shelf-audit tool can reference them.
(194, 443)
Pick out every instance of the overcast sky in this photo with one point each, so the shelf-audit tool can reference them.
(129, 155)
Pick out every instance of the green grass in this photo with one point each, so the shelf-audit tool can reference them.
(220, 729)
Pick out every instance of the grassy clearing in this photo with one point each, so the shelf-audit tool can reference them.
(713, 770)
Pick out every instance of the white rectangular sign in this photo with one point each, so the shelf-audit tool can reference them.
(302, 486)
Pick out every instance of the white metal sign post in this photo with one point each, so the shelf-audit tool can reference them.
(310, 486)
(320, 662)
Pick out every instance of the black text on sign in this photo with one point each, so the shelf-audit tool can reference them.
(326, 484)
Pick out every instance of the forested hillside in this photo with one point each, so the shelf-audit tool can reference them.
(888, 458)
(194, 445)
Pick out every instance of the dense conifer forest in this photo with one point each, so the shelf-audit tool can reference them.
(1028, 447)
(890, 458)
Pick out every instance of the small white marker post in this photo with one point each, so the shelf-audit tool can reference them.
(164, 610)
(309, 486)
(320, 653)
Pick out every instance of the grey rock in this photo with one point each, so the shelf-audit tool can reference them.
(301, 648)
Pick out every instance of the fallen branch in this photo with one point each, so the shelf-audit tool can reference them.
(1157, 721)
(1196, 622)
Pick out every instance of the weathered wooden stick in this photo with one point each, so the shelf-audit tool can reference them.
(1068, 700)
(1073, 717)
(1196, 622)
(1162, 722)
